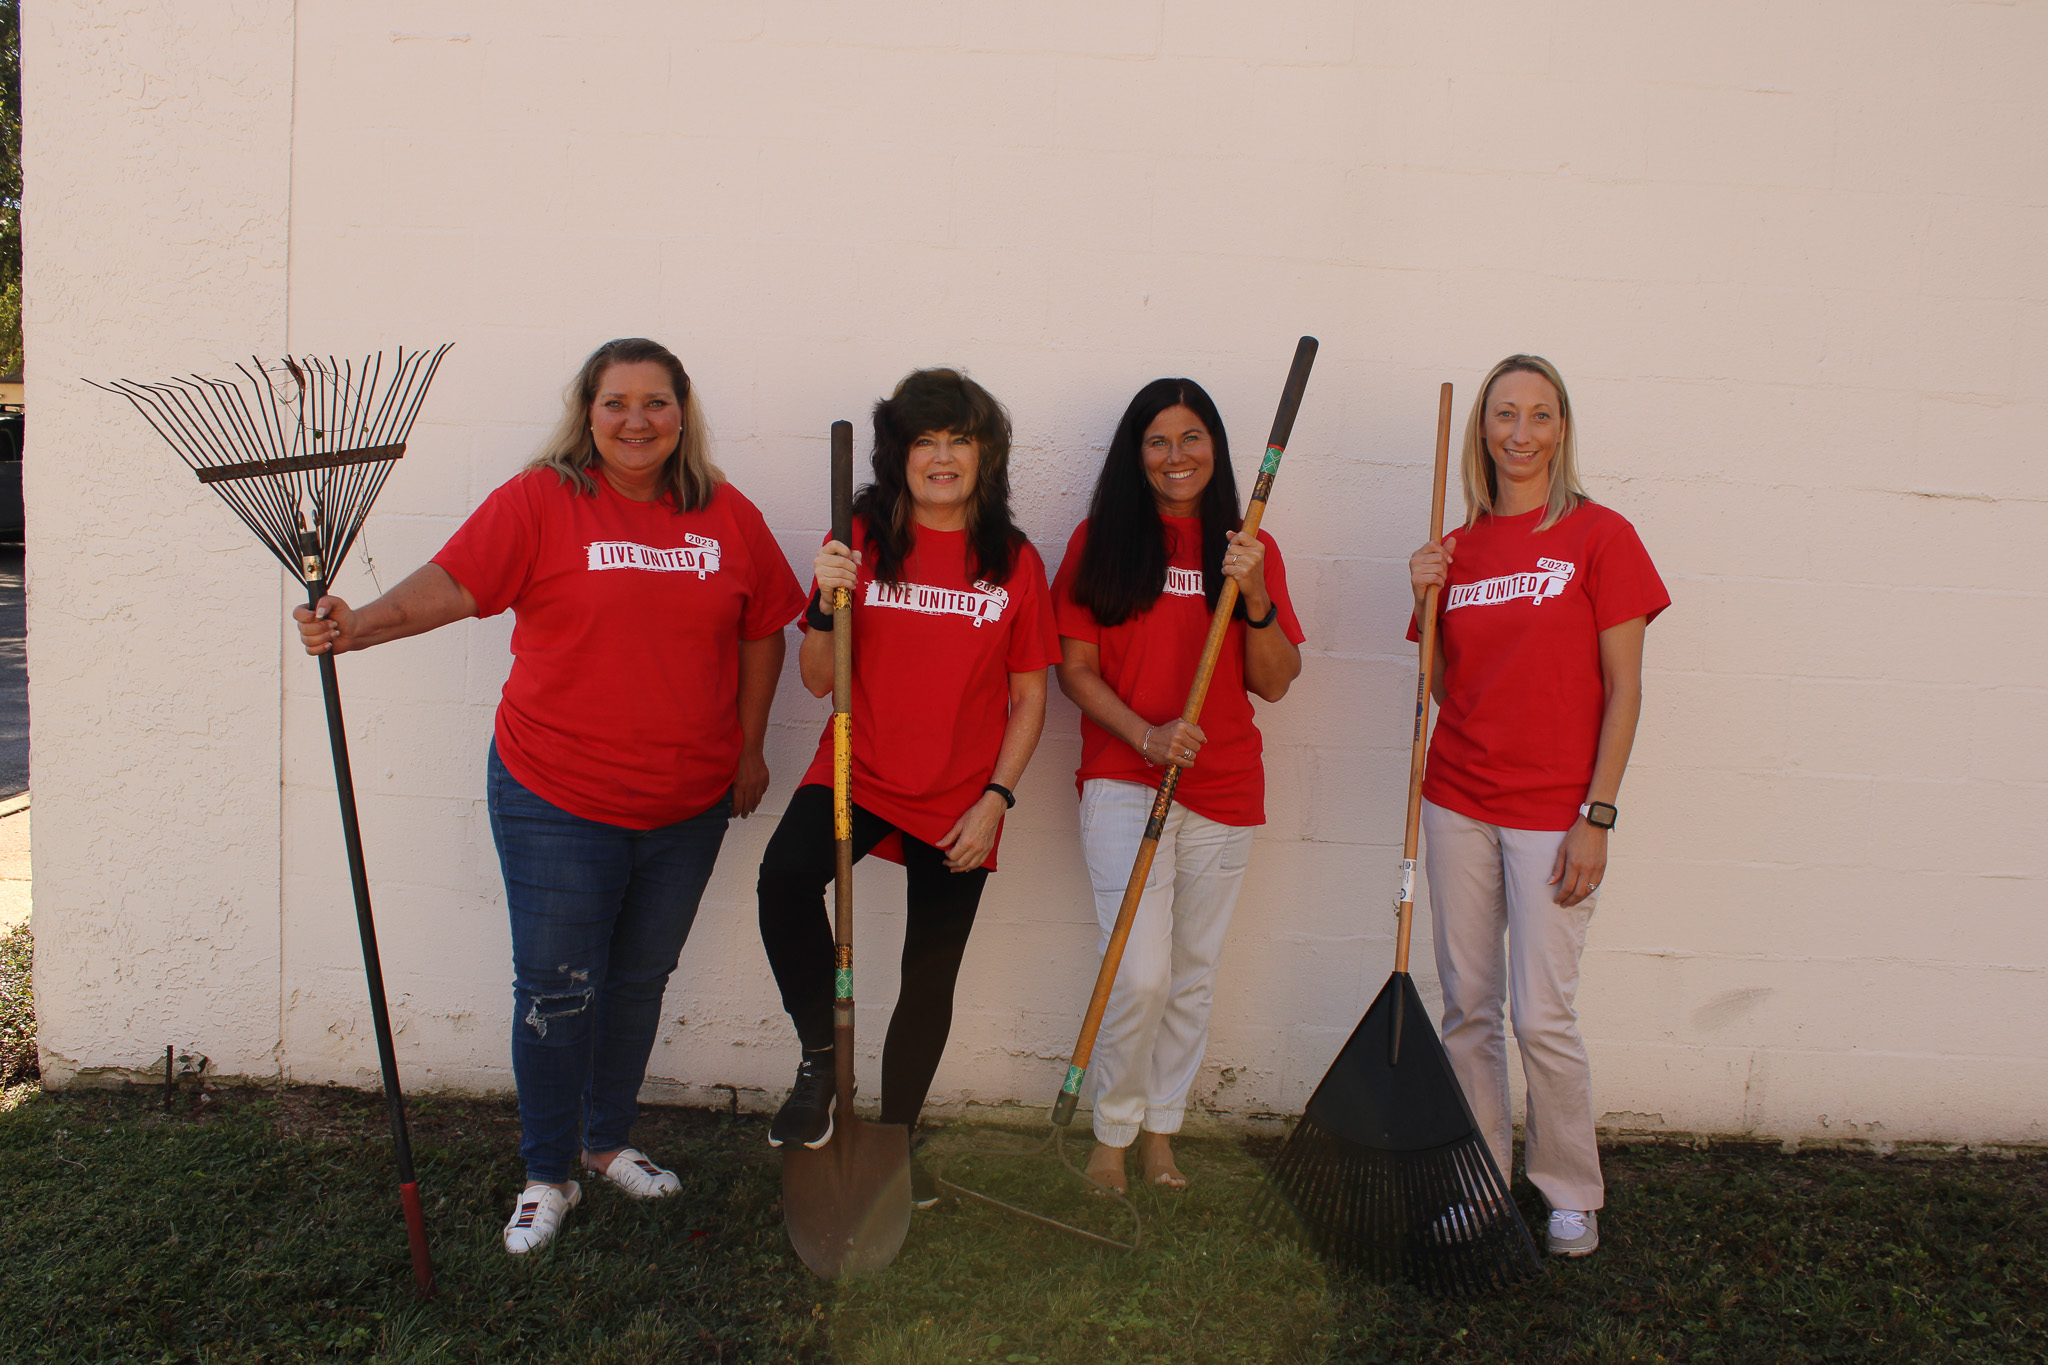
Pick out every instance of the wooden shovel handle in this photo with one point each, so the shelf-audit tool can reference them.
(842, 776)
(1425, 679)
(1162, 803)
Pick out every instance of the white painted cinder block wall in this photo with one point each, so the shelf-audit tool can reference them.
(1789, 255)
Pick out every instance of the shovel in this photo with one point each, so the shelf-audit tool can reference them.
(846, 1204)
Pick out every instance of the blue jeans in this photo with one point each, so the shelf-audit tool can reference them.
(599, 916)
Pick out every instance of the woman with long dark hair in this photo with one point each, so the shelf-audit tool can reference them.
(1134, 595)
(649, 601)
(1546, 596)
(953, 632)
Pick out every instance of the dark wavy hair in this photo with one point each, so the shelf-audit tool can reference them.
(940, 400)
(1123, 564)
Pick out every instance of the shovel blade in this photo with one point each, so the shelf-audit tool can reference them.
(847, 1204)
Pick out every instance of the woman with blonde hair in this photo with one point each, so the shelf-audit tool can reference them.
(649, 601)
(1545, 598)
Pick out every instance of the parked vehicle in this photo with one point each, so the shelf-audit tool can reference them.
(11, 520)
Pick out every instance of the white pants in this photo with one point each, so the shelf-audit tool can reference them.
(1486, 881)
(1157, 1025)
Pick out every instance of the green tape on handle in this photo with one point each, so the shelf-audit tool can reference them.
(1271, 464)
(842, 983)
(1074, 1075)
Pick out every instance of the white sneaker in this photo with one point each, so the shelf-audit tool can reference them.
(632, 1172)
(1573, 1232)
(538, 1215)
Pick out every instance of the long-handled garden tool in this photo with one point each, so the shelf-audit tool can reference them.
(1386, 1169)
(299, 450)
(847, 1203)
(1141, 868)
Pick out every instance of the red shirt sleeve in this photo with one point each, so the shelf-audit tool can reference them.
(494, 552)
(1624, 583)
(1070, 618)
(774, 597)
(1276, 588)
(1034, 640)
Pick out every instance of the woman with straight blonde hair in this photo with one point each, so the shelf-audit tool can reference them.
(649, 600)
(1545, 599)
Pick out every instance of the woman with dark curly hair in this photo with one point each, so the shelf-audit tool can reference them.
(953, 632)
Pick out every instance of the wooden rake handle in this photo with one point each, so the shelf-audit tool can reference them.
(1425, 679)
(1212, 649)
(1419, 750)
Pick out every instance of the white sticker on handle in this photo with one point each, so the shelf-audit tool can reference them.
(1407, 896)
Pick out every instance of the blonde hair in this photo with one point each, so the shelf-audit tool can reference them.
(688, 479)
(1476, 466)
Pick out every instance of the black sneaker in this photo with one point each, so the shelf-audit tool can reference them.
(806, 1116)
(924, 1186)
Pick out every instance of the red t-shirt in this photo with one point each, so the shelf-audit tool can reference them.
(1150, 660)
(623, 700)
(932, 659)
(1523, 692)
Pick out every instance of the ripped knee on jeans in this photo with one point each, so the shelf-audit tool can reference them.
(541, 1008)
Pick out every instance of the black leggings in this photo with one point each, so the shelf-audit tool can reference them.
(798, 936)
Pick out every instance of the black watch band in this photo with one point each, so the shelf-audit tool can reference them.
(1599, 814)
(815, 615)
(1009, 797)
(1272, 615)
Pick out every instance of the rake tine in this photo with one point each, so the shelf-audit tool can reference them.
(263, 436)
(1056, 1140)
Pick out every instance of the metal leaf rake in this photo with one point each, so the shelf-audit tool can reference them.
(299, 450)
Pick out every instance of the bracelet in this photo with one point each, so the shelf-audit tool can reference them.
(1145, 744)
(1009, 797)
(1272, 615)
(815, 616)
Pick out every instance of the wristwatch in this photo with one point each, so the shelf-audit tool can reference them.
(1599, 814)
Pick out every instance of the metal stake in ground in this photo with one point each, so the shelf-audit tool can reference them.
(299, 451)
(1387, 1169)
(846, 1204)
(1162, 804)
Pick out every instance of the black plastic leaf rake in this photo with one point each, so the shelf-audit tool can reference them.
(299, 449)
(1387, 1171)
(1162, 804)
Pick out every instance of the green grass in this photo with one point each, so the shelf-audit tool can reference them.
(262, 1226)
(17, 1007)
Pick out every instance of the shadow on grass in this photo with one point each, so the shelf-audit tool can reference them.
(263, 1226)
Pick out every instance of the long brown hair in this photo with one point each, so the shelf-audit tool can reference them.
(1476, 467)
(688, 478)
